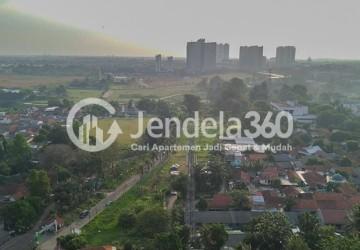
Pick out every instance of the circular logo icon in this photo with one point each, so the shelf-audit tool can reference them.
(90, 123)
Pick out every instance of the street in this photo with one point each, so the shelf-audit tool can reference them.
(50, 243)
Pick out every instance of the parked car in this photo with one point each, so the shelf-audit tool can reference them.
(84, 213)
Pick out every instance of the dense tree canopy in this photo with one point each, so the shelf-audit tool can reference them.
(213, 236)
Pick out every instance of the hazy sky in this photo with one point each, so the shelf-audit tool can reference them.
(319, 28)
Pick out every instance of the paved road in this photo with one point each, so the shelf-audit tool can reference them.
(50, 243)
(25, 241)
(190, 197)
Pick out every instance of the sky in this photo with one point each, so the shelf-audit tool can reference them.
(318, 28)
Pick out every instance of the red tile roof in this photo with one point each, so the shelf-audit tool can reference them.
(272, 199)
(290, 191)
(314, 178)
(327, 201)
(257, 157)
(333, 216)
(305, 204)
(270, 173)
(220, 201)
(242, 176)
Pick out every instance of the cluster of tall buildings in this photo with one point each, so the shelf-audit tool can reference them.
(168, 66)
(202, 56)
(252, 57)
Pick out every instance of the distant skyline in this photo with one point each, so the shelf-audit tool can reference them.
(320, 29)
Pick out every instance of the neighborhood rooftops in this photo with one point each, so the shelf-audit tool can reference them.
(234, 217)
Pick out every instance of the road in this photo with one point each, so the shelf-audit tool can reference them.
(25, 241)
(50, 243)
(190, 197)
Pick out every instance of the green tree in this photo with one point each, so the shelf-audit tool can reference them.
(18, 154)
(347, 242)
(19, 216)
(38, 183)
(243, 246)
(296, 243)
(352, 145)
(309, 229)
(127, 219)
(259, 92)
(276, 183)
(270, 231)
(191, 103)
(152, 221)
(213, 236)
(72, 242)
(202, 204)
(167, 240)
(241, 200)
(179, 183)
(353, 220)
(290, 202)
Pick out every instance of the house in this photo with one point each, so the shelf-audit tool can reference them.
(255, 157)
(51, 109)
(284, 161)
(336, 178)
(53, 224)
(333, 217)
(258, 202)
(353, 106)
(241, 176)
(332, 208)
(291, 191)
(268, 175)
(273, 200)
(12, 192)
(312, 179)
(300, 113)
(220, 202)
(234, 219)
(5, 120)
(311, 151)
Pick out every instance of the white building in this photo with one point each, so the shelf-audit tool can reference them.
(300, 113)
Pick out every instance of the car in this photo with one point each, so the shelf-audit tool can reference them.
(84, 213)
(108, 203)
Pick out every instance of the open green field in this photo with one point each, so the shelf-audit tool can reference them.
(128, 126)
(125, 93)
(29, 81)
(78, 94)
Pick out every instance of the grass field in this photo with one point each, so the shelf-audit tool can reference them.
(78, 94)
(29, 81)
(128, 126)
(170, 91)
(123, 93)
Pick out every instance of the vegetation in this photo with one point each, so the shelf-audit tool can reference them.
(213, 236)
